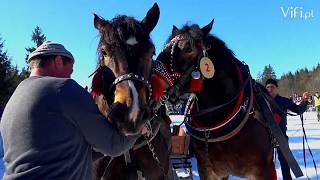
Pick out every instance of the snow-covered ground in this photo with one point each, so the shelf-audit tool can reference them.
(294, 132)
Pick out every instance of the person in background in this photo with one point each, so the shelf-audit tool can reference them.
(285, 104)
(316, 99)
(51, 124)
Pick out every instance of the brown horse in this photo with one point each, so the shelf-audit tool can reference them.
(228, 133)
(123, 93)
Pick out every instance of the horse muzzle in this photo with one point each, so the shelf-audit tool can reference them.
(120, 116)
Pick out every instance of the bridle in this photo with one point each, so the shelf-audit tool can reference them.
(176, 80)
(124, 77)
(133, 77)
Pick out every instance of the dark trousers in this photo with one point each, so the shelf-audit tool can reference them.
(285, 169)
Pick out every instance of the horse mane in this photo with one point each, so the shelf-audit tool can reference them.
(121, 28)
(218, 50)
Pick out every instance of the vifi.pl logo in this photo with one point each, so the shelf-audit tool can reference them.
(297, 12)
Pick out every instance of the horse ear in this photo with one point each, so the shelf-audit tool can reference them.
(174, 30)
(207, 28)
(100, 23)
(151, 19)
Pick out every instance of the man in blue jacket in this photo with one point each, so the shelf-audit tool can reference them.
(285, 104)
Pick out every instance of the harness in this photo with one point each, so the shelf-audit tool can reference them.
(232, 124)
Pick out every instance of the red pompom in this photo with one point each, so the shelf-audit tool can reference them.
(96, 85)
(196, 85)
(157, 88)
(277, 118)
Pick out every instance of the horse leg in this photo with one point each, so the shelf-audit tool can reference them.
(267, 172)
(225, 178)
(206, 174)
(204, 166)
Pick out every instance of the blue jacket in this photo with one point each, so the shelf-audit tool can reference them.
(286, 104)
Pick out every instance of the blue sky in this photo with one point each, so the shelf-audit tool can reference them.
(259, 32)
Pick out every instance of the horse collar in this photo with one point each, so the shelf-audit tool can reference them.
(231, 125)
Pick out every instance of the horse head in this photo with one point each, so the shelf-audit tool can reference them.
(125, 57)
(188, 47)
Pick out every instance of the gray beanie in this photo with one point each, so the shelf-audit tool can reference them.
(50, 48)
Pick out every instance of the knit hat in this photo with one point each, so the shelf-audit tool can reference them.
(50, 48)
(272, 81)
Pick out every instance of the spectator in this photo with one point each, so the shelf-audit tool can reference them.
(285, 104)
(317, 104)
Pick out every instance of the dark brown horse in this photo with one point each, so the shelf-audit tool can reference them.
(123, 93)
(228, 135)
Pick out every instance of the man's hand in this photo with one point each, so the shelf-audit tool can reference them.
(145, 131)
(305, 96)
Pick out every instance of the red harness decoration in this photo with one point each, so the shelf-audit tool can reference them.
(162, 72)
(157, 88)
(234, 111)
(96, 88)
(195, 85)
(277, 118)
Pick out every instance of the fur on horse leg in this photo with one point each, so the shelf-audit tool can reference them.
(165, 131)
(225, 178)
(171, 175)
(267, 172)
(205, 172)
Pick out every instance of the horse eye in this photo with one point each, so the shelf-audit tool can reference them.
(187, 50)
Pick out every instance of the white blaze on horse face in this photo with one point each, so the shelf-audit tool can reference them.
(132, 41)
(135, 103)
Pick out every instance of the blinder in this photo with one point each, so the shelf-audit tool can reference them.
(107, 78)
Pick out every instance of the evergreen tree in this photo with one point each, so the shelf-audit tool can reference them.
(38, 38)
(9, 76)
(268, 72)
(298, 82)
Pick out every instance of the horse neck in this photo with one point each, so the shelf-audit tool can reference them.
(224, 84)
